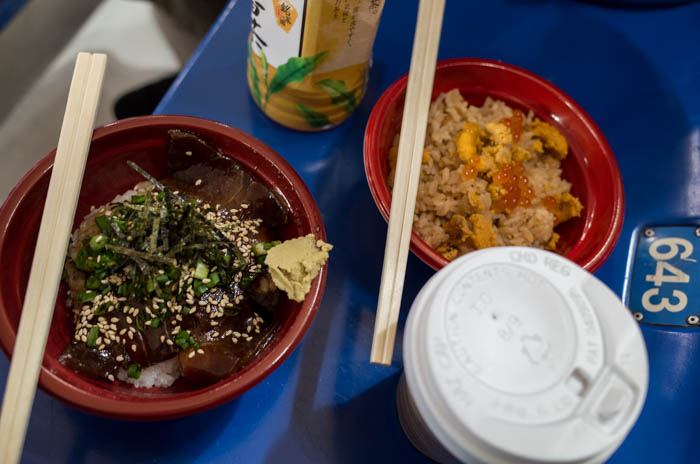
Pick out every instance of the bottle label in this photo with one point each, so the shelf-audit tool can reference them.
(276, 28)
(308, 59)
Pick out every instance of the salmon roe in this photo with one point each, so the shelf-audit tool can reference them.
(469, 171)
(515, 124)
(517, 188)
(552, 205)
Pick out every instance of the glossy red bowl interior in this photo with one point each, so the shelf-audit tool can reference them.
(145, 141)
(590, 167)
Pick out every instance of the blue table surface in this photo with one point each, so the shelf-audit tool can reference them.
(635, 71)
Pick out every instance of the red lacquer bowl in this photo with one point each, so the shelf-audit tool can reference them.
(590, 167)
(145, 141)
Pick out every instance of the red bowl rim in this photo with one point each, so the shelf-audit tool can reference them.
(425, 252)
(181, 404)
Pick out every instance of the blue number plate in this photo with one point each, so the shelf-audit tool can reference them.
(664, 288)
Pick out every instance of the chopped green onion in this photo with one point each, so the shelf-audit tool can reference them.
(227, 259)
(174, 273)
(259, 249)
(64, 275)
(92, 336)
(246, 282)
(201, 271)
(149, 284)
(92, 283)
(261, 259)
(138, 199)
(262, 248)
(121, 224)
(103, 223)
(200, 289)
(81, 260)
(87, 295)
(162, 278)
(134, 371)
(214, 280)
(98, 242)
(101, 309)
(155, 322)
(185, 310)
(123, 290)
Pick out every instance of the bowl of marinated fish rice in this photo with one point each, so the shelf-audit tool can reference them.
(196, 265)
(509, 159)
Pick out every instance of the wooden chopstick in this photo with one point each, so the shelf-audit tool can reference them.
(49, 255)
(403, 199)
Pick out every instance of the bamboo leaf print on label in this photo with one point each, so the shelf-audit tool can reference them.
(314, 118)
(294, 70)
(340, 95)
(264, 66)
(254, 75)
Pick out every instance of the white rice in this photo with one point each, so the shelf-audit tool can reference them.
(161, 375)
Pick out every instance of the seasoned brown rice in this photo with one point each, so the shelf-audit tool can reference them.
(465, 179)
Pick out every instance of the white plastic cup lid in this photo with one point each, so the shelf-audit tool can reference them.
(516, 354)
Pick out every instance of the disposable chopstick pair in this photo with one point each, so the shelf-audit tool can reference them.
(403, 199)
(49, 255)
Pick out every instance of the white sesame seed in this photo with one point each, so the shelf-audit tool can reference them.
(215, 334)
(234, 340)
(200, 351)
(188, 153)
(198, 182)
(131, 335)
(133, 347)
(120, 358)
(214, 323)
(162, 338)
(123, 331)
(191, 355)
(101, 347)
(169, 342)
(129, 320)
(236, 333)
(110, 377)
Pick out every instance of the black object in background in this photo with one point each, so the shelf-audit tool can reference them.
(142, 101)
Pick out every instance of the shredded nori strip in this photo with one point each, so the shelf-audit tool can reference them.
(140, 255)
(183, 201)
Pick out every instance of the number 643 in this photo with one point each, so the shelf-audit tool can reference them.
(666, 272)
